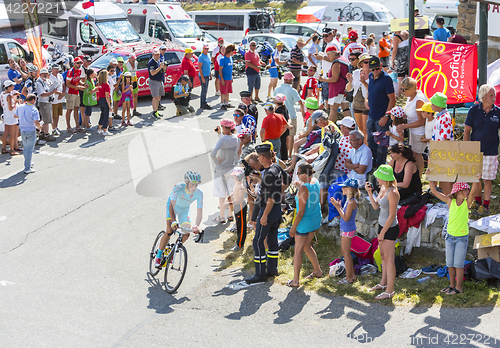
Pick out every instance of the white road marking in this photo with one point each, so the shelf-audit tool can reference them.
(77, 157)
(3, 218)
(5, 282)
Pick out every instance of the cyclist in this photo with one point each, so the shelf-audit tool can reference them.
(178, 205)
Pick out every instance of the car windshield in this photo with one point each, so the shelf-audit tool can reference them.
(184, 28)
(118, 31)
(103, 61)
(385, 16)
(289, 41)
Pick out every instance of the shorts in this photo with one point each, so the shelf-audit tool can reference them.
(325, 89)
(116, 96)
(227, 87)
(157, 89)
(348, 234)
(456, 248)
(303, 233)
(336, 100)
(384, 61)
(416, 145)
(72, 101)
(57, 110)
(88, 110)
(293, 131)
(216, 74)
(391, 234)
(297, 73)
(45, 112)
(253, 82)
(490, 166)
(185, 109)
(273, 72)
(363, 112)
(182, 215)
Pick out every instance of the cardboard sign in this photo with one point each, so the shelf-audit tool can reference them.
(404, 23)
(488, 245)
(452, 161)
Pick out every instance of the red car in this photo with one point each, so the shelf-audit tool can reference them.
(173, 57)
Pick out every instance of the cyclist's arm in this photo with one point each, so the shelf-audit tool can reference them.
(199, 216)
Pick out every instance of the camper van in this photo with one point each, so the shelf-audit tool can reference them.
(167, 21)
(365, 11)
(233, 25)
(362, 27)
(106, 25)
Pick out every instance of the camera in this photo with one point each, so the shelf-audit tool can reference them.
(51, 99)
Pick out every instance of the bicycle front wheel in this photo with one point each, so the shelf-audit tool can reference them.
(154, 250)
(357, 14)
(175, 269)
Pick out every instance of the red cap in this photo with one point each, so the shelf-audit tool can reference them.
(220, 39)
(353, 35)
(331, 48)
(77, 60)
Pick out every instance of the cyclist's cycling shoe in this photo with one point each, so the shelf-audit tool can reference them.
(158, 262)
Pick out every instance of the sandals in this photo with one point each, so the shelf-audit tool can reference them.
(128, 123)
(14, 153)
(378, 287)
(314, 275)
(454, 291)
(447, 289)
(219, 220)
(4, 151)
(385, 296)
(230, 219)
(290, 283)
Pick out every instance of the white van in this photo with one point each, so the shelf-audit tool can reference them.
(232, 25)
(105, 27)
(166, 21)
(363, 11)
(362, 27)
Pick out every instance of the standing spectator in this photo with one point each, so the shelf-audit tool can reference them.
(131, 67)
(292, 97)
(297, 60)
(126, 100)
(251, 108)
(14, 74)
(23, 68)
(45, 92)
(156, 72)
(364, 39)
(384, 50)
(248, 121)
(163, 50)
(225, 156)
(204, 65)
(86, 64)
(239, 208)
(112, 85)
(353, 45)
(57, 103)
(252, 70)
(337, 81)
(215, 54)
(415, 121)
(9, 99)
(455, 38)
(428, 114)
(29, 122)
(358, 83)
(89, 97)
(347, 125)
(238, 120)
(226, 74)
(388, 229)
(74, 84)
(359, 160)
(420, 33)
(354, 60)
(381, 98)
(306, 223)
(104, 95)
(441, 33)
(326, 62)
(372, 48)
(182, 96)
(313, 50)
(483, 120)
(29, 85)
(246, 144)
(273, 68)
(188, 67)
(280, 108)
(273, 126)
(400, 60)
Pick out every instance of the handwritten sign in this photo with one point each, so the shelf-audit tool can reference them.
(452, 161)
(404, 23)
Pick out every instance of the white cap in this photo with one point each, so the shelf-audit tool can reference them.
(44, 71)
(163, 47)
(8, 83)
(269, 106)
(347, 122)
(113, 61)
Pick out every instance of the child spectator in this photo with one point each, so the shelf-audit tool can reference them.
(104, 94)
(226, 74)
(346, 126)
(428, 114)
(310, 89)
(126, 100)
(182, 96)
(397, 116)
(89, 97)
(347, 225)
(112, 85)
(239, 208)
(441, 33)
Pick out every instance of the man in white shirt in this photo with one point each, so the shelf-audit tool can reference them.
(45, 90)
(326, 63)
(353, 45)
(57, 104)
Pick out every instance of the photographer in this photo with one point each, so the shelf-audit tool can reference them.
(156, 74)
(45, 92)
(182, 96)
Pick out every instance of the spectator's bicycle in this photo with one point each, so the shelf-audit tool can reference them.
(350, 13)
(174, 259)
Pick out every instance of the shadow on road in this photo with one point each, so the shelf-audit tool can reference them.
(292, 305)
(159, 299)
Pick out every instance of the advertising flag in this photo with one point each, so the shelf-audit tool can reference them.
(445, 67)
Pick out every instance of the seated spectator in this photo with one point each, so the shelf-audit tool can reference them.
(359, 161)
(347, 125)
(406, 173)
(248, 120)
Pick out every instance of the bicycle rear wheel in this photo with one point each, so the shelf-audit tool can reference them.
(175, 269)
(154, 250)
(357, 14)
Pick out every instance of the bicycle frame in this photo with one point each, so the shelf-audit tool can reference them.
(174, 246)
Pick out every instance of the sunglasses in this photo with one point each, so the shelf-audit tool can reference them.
(237, 115)
(352, 59)
(300, 174)
(404, 89)
(364, 62)
(375, 69)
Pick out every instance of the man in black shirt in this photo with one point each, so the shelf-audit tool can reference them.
(251, 108)
(269, 218)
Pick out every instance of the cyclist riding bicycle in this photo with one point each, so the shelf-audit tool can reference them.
(178, 204)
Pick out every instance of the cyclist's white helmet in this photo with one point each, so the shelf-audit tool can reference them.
(192, 177)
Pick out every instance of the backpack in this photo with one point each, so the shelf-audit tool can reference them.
(399, 260)
(361, 247)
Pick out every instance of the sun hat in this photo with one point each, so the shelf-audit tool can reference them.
(120, 59)
(300, 40)
(397, 112)
(351, 183)
(127, 73)
(317, 115)
(312, 103)
(280, 98)
(439, 99)
(426, 108)
(188, 50)
(8, 83)
(112, 61)
(353, 35)
(227, 123)
(459, 186)
(363, 57)
(237, 171)
(385, 172)
(288, 76)
(243, 132)
(347, 122)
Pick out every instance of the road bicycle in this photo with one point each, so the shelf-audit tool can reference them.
(174, 259)
(350, 13)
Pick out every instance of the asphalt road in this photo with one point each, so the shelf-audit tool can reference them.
(74, 253)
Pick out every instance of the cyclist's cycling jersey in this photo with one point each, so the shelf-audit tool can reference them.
(183, 200)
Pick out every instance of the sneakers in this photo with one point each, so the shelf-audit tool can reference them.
(161, 107)
(117, 117)
(206, 107)
(432, 269)
(235, 248)
(229, 105)
(48, 137)
(112, 128)
(217, 93)
(223, 107)
(474, 206)
(136, 113)
(40, 142)
(157, 262)
(233, 228)
(99, 131)
(156, 114)
(106, 133)
(56, 132)
(128, 123)
(335, 222)
(482, 211)
(30, 171)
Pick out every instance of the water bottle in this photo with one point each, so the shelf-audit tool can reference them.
(422, 280)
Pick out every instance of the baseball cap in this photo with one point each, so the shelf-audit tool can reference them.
(364, 37)
(113, 61)
(87, 58)
(350, 183)
(8, 83)
(269, 106)
(220, 39)
(327, 30)
(331, 48)
(280, 98)
(353, 35)
(77, 60)
(374, 62)
(243, 132)
(163, 47)
(55, 66)
(205, 46)
(188, 50)
(426, 108)
(279, 44)
(184, 78)
(44, 71)
(397, 112)
(347, 122)
(318, 114)
(386, 33)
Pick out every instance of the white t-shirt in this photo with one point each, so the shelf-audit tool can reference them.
(394, 131)
(111, 83)
(326, 65)
(353, 46)
(429, 128)
(60, 88)
(312, 50)
(373, 51)
(411, 112)
(43, 86)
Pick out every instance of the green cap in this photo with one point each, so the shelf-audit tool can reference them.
(385, 172)
(312, 103)
(120, 59)
(439, 99)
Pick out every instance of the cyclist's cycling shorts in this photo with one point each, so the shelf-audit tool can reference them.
(182, 215)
